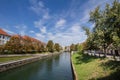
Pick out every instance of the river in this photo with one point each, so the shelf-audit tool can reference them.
(54, 68)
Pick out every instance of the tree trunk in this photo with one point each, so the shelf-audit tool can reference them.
(99, 54)
(104, 52)
(94, 52)
(119, 54)
(91, 52)
(87, 52)
(114, 54)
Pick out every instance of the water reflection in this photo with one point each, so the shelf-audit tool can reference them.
(55, 68)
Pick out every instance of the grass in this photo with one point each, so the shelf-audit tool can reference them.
(7, 59)
(92, 68)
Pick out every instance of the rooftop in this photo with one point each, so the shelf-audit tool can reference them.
(2, 32)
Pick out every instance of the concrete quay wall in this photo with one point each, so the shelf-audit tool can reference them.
(17, 63)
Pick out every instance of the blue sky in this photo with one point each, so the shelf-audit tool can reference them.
(57, 20)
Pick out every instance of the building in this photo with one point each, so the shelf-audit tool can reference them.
(4, 37)
(67, 48)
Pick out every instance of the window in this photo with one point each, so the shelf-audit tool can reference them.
(3, 37)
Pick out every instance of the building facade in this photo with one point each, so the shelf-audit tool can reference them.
(4, 37)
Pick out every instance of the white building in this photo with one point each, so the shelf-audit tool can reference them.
(4, 37)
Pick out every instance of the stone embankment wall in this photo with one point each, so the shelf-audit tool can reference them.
(14, 64)
(73, 68)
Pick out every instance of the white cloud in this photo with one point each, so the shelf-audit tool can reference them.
(41, 25)
(46, 16)
(60, 23)
(32, 31)
(21, 29)
(38, 7)
(75, 28)
(68, 38)
(39, 36)
(85, 18)
(71, 20)
(50, 36)
(8, 31)
(43, 29)
(41, 4)
(74, 34)
(91, 5)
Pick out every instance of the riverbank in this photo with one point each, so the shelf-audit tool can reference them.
(16, 63)
(92, 68)
(73, 70)
(12, 58)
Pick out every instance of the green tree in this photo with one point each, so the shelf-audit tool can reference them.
(42, 48)
(80, 47)
(57, 47)
(72, 47)
(106, 30)
(50, 46)
(90, 40)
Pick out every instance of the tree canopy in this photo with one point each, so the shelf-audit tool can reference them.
(106, 31)
(50, 46)
(57, 47)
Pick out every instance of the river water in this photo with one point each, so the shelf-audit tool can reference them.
(54, 68)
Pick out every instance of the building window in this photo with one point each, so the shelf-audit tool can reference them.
(3, 37)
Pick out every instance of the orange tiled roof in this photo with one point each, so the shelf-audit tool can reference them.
(25, 37)
(4, 33)
(30, 38)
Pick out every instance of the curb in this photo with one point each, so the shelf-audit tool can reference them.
(73, 69)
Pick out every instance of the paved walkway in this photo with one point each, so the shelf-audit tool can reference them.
(117, 58)
(13, 55)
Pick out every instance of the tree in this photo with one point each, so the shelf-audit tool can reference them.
(14, 45)
(90, 42)
(106, 30)
(22, 44)
(57, 47)
(80, 48)
(42, 48)
(72, 47)
(50, 46)
(2, 49)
